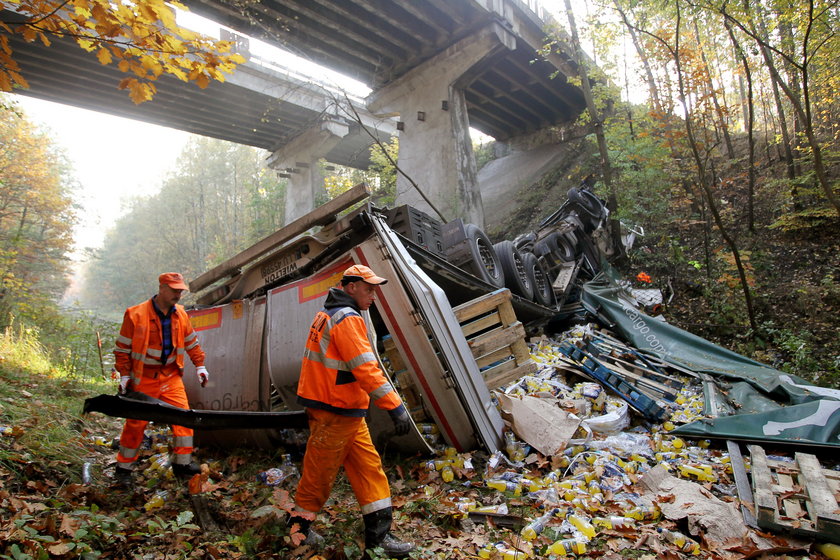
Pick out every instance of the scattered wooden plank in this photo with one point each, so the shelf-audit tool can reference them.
(499, 375)
(496, 338)
(797, 497)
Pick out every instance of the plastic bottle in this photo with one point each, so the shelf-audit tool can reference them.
(428, 428)
(644, 513)
(581, 523)
(829, 550)
(273, 476)
(566, 546)
(487, 551)
(158, 466)
(571, 483)
(529, 485)
(698, 473)
(447, 474)
(514, 449)
(684, 543)
(156, 501)
(505, 486)
(595, 491)
(535, 527)
(586, 503)
(289, 467)
(614, 522)
(501, 509)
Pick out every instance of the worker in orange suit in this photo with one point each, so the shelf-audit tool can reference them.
(339, 377)
(149, 354)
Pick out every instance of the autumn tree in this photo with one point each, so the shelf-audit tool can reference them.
(36, 218)
(805, 38)
(142, 38)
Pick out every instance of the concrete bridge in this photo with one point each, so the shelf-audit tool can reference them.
(436, 67)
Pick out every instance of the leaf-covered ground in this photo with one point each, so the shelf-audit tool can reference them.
(453, 505)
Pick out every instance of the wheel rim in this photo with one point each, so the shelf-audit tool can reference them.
(520, 270)
(540, 283)
(487, 258)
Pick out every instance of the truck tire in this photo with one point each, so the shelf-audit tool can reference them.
(484, 263)
(543, 291)
(513, 267)
(557, 247)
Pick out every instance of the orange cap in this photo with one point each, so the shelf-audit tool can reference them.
(362, 272)
(172, 279)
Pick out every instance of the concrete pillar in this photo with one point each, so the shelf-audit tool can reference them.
(435, 147)
(298, 160)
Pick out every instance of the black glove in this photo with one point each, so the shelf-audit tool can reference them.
(401, 419)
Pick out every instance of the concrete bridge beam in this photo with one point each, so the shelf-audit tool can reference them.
(435, 146)
(298, 161)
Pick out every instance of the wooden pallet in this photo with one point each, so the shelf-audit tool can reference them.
(799, 497)
(496, 338)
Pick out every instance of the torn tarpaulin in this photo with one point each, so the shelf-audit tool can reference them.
(143, 407)
(764, 404)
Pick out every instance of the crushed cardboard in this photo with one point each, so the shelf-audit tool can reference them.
(539, 422)
(719, 523)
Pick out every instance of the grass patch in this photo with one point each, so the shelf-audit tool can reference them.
(42, 406)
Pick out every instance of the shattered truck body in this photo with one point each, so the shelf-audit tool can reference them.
(445, 334)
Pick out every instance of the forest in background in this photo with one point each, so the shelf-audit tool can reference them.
(730, 165)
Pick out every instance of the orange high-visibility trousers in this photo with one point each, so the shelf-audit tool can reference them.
(168, 387)
(336, 440)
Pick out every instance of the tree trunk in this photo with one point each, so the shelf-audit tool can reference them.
(802, 108)
(702, 176)
(739, 52)
(787, 36)
(598, 125)
(651, 81)
(724, 128)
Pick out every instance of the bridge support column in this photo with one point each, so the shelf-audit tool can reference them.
(298, 161)
(435, 146)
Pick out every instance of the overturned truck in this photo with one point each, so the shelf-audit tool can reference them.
(449, 326)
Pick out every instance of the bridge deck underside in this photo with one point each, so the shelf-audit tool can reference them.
(377, 41)
(64, 73)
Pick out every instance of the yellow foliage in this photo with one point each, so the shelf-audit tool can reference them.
(143, 36)
(104, 56)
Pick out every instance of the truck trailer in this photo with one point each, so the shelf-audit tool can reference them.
(449, 326)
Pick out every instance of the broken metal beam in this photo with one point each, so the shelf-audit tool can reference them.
(139, 406)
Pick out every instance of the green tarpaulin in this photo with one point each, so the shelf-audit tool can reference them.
(760, 403)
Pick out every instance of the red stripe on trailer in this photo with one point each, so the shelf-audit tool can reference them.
(410, 356)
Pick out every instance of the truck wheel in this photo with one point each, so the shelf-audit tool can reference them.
(513, 267)
(484, 263)
(543, 292)
(556, 247)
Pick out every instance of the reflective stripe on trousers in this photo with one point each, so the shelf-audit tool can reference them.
(336, 440)
(168, 387)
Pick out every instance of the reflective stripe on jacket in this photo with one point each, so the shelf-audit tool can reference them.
(140, 342)
(340, 372)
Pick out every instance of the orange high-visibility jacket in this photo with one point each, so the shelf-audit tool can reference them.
(140, 341)
(340, 373)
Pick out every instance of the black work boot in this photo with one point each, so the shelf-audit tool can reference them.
(123, 477)
(185, 472)
(312, 539)
(378, 535)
